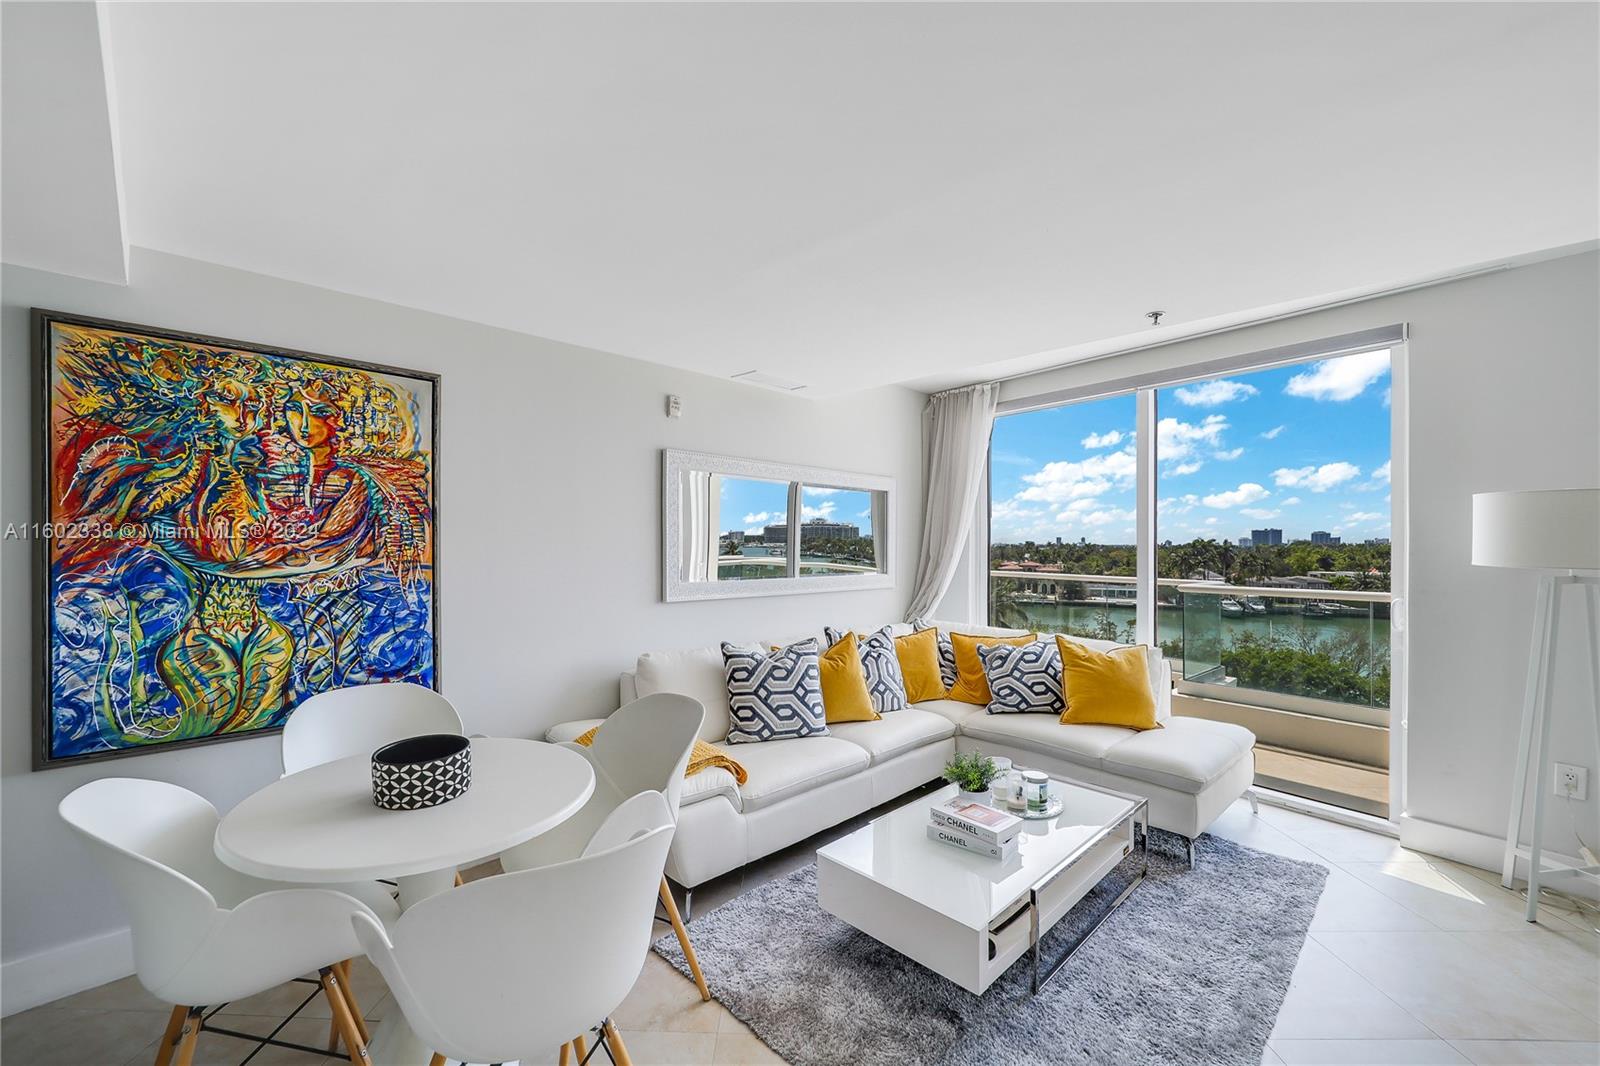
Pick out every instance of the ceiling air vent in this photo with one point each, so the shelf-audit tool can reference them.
(768, 381)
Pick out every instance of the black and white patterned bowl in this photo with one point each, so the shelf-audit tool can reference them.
(419, 772)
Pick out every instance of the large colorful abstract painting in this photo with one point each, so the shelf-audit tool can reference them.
(224, 530)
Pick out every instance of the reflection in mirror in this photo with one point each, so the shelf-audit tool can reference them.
(752, 527)
(743, 527)
(836, 531)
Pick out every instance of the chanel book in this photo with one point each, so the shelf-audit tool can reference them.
(977, 820)
(944, 834)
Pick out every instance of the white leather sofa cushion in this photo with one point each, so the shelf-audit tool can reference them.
(1186, 754)
(954, 711)
(895, 733)
(697, 673)
(972, 629)
(1086, 745)
(778, 769)
(562, 732)
(712, 781)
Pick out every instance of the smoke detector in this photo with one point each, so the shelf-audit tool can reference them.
(768, 381)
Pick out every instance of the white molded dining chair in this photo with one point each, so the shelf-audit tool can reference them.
(472, 968)
(360, 719)
(643, 746)
(205, 934)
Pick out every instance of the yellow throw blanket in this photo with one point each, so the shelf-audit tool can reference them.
(703, 757)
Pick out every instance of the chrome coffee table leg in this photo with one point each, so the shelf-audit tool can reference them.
(1141, 833)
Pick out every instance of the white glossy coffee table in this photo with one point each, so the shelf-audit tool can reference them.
(968, 917)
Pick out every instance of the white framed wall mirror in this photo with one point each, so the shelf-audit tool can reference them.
(742, 527)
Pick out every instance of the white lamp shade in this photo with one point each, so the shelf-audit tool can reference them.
(1555, 529)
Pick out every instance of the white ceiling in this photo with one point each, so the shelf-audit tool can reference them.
(850, 195)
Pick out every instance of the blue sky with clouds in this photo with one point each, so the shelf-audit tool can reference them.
(751, 505)
(1300, 447)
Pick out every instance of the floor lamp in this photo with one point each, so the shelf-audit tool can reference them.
(1556, 532)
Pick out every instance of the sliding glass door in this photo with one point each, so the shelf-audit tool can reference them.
(1266, 566)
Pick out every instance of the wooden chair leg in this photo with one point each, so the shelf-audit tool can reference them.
(169, 1038)
(619, 1051)
(189, 1038)
(580, 1048)
(354, 1046)
(352, 1002)
(683, 939)
(459, 882)
(437, 1060)
(566, 1053)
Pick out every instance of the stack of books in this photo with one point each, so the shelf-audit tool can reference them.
(975, 827)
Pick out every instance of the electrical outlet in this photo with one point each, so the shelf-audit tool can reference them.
(1571, 781)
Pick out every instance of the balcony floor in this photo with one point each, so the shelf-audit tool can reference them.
(1343, 784)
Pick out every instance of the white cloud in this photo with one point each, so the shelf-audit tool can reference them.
(758, 518)
(1365, 516)
(1109, 439)
(1177, 504)
(1177, 440)
(1249, 492)
(824, 511)
(1211, 521)
(1290, 502)
(811, 490)
(1228, 456)
(1212, 393)
(1182, 469)
(1061, 481)
(1258, 513)
(1340, 379)
(1273, 432)
(1382, 473)
(1010, 458)
(1316, 478)
(864, 514)
(1106, 517)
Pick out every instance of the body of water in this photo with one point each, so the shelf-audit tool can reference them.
(1169, 623)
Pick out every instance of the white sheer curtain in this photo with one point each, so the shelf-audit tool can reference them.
(956, 448)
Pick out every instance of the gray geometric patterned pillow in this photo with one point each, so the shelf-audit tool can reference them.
(1023, 678)
(947, 654)
(881, 665)
(776, 696)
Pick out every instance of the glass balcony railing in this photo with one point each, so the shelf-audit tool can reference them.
(1314, 650)
(1317, 651)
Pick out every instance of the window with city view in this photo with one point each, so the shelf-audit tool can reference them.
(1272, 521)
(1278, 480)
(1061, 512)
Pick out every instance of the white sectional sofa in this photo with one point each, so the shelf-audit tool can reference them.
(1190, 770)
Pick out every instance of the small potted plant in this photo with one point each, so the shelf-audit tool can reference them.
(972, 773)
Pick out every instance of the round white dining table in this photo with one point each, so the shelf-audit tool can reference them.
(321, 826)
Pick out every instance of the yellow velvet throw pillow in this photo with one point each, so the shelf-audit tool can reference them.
(1106, 687)
(972, 684)
(919, 665)
(844, 684)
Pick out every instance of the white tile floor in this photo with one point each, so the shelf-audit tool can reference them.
(1411, 959)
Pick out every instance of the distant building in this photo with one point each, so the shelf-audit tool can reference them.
(1377, 541)
(1307, 582)
(816, 529)
(1322, 536)
(1244, 542)
(1265, 538)
(734, 535)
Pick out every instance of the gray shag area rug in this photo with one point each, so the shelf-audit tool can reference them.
(1191, 970)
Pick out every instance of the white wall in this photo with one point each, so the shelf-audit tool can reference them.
(549, 552)
(1504, 394)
